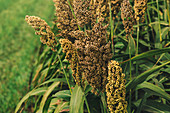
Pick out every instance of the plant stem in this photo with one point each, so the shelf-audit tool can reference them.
(64, 73)
(88, 109)
(112, 27)
(130, 96)
(159, 24)
(137, 49)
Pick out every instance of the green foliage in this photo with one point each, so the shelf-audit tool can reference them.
(17, 49)
(147, 72)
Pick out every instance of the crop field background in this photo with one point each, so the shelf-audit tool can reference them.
(18, 46)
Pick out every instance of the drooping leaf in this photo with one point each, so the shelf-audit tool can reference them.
(142, 77)
(45, 96)
(64, 94)
(156, 107)
(31, 93)
(153, 89)
(148, 54)
(77, 98)
(61, 107)
(152, 106)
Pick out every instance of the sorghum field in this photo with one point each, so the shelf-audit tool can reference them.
(18, 48)
(95, 56)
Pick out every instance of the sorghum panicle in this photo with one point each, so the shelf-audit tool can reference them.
(140, 7)
(72, 57)
(94, 53)
(115, 88)
(103, 8)
(115, 6)
(65, 19)
(43, 29)
(83, 15)
(127, 16)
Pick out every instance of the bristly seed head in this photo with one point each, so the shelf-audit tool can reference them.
(115, 89)
(140, 7)
(43, 29)
(127, 17)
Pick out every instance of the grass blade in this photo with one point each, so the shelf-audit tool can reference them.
(47, 93)
(156, 107)
(77, 98)
(148, 54)
(142, 77)
(31, 93)
(60, 107)
(154, 89)
(64, 94)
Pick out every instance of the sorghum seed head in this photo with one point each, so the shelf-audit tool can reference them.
(115, 89)
(127, 16)
(43, 29)
(72, 57)
(140, 7)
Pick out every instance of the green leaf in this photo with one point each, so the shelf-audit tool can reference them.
(161, 22)
(88, 88)
(54, 80)
(152, 106)
(156, 107)
(45, 96)
(132, 45)
(154, 89)
(144, 54)
(103, 99)
(142, 77)
(77, 100)
(61, 106)
(165, 31)
(64, 94)
(139, 108)
(31, 93)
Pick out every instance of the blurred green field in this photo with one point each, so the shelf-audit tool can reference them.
(18, 45)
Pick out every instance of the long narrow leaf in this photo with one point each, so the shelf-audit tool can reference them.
(31, 93)
(148, 54)
(47, 93)
(61, 106)
(154, 89)
(156, 107)
(76, 100)
(142, 77)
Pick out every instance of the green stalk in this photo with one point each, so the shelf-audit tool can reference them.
(64, 73)
(149, 18)
(159, 24)
(168, 2)
(130, 96)
(112, 27)
(147, 27)
(166, 12)
(137, 41)
(88, 109)
(137, 49)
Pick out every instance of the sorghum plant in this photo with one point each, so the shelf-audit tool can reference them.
(83, 32)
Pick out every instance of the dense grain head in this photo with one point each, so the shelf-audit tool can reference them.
(140, 8)
(43, 29)
(72, 57)
(82, 12)
(127, 16)
(115, 89)
(65, 19)
(94, 53)
(103, 9)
